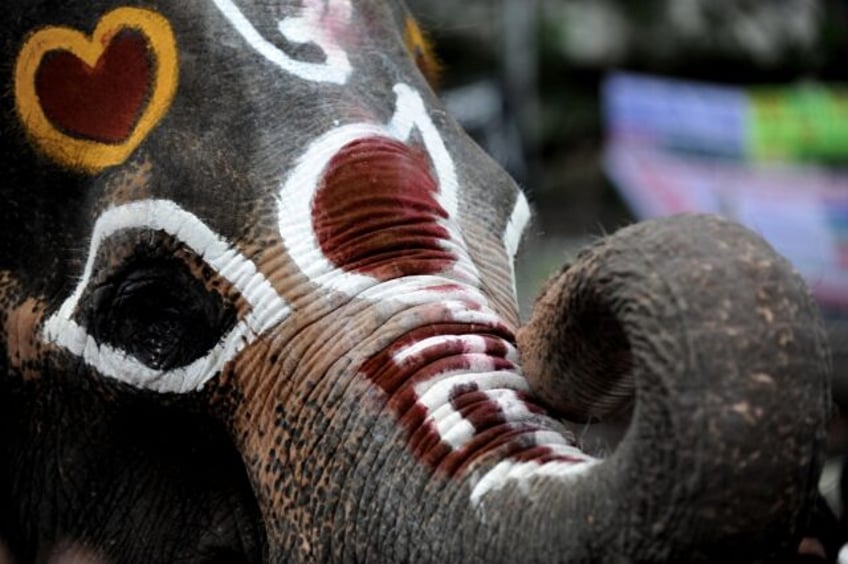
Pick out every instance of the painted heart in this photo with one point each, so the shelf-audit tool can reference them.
(102, 103)
(88, 102)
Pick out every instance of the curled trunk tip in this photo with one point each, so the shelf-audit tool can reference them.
(716, 339)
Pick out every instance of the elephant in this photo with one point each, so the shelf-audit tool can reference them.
(257, 303)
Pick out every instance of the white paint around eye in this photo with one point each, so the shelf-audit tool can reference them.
(267, 308)
(298, 192)
(314, 25)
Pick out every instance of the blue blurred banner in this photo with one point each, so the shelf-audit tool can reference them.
(804, 122)
(677, 115)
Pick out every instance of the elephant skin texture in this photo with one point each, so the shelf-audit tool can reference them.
(257, 305)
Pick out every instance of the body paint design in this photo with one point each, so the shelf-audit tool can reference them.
(376, 212)
(296, 206)
(267, 308)
(456, 387)
(517, 223)
(88, 102)
(454, 382)
(318, 24)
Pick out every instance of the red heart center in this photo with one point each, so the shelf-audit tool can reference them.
(101, 103)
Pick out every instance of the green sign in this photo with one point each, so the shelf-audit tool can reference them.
(800, 123)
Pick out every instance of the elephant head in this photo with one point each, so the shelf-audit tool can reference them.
(257, 301)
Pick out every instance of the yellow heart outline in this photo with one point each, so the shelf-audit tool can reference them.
(83, 154)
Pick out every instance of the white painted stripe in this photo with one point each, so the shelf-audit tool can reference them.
(460, 313)
(501, 389)
(511, 406)
(267, 307)
(520, 473)
(458, 432)
(452, 427)
(509, 470)
(568, 450)
(552, 438)
(412, 112)
(411, 353)
(471, 344)
(420, 290)
(560, 469)
(306, 28)
(518, 220)
(436, 392)
(494, 479)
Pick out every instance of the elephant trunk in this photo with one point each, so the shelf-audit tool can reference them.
(725, 351)
(415, 436)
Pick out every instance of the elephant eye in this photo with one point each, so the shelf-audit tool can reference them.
(174, 311)
(158, 312)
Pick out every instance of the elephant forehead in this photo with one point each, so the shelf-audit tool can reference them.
(244, 83)
(259, 84)
(254, 84)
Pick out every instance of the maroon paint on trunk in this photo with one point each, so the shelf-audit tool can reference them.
(100, 103)
(376, 212)
(389, 376)
(476, 407)
(494, 433)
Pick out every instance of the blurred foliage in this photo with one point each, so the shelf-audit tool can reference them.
(711, 36)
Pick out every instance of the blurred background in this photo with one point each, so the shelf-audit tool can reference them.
(610, 111)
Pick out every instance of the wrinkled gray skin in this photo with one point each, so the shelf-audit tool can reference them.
(295, 450)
